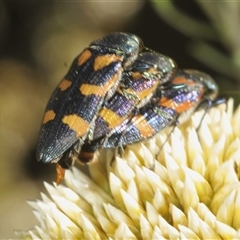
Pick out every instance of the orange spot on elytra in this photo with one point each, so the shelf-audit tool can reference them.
(105, 60)
(76, 123)
(111, 117)
(146, 92)
(143, 126)
(178, 107)
(48, 116)
(88, 89)
(167, 102)
(184, 106)
(64, 84)
(178, 80)
(84, 56)
(182, 80)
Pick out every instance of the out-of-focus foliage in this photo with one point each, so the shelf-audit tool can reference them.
(222, 30)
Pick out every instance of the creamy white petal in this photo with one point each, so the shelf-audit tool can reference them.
(108, 226)
(133, 191)
(207, 232)
(90, 232)
(226, 212)
(160, 203)
(225, 231)
(206, 215)
(187, 233)
(178, 217)
(152, 214)
(193, 222)
(193, 145)
(178, 148)
(116, 186)
(203, 188)
(145, 157)
(117, 216)
(189, 196)
(133, 208)
(124, 233)
(146, 228)
(123, 171)
(99, 175)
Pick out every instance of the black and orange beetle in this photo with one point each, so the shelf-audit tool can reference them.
(92, 78)
(187, 91)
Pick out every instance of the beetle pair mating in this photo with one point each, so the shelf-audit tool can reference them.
(116, 93)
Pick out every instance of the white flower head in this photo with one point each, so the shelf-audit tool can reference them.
(191, 191)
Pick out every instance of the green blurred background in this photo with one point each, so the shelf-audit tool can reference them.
(38, 41)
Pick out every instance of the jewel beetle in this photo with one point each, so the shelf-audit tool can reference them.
(189, 90)
(92, 78)
(139, 83)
